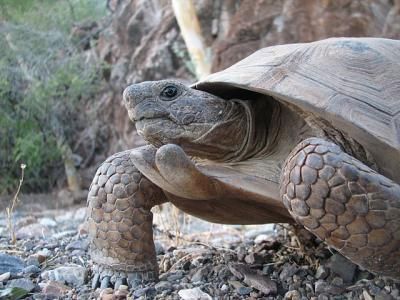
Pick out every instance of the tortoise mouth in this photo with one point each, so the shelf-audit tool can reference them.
(138, 115)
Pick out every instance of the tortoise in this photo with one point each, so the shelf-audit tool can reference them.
(306, 133)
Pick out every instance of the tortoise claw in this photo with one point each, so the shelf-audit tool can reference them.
(105, 278)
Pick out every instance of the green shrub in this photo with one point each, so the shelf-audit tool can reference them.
(45, 84)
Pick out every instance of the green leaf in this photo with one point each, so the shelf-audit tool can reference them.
(13, 293)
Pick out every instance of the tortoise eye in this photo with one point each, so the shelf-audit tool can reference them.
(169, 92)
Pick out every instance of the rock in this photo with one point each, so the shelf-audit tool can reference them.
(395, 293)
(322, 272)
(195, 293)
(28, 245)
(31, 270)
(251, 278)
(292, 295)
(366, 295)
(147, 292)
(121, 293)
(45, 252)
(106, 294)
(337, 281)
(244, 290)
(236, 270)
(200, 274)
(383, 296)
(35, 260)
(81, 244)
(342, 267)
(35, 231)
(254, 258)
(48, 222)
(288, 271)
(12, 264)
(163, 285)
(175, 276)
(71, 275)
(22, 283)
(261, 238)
(320, 286)
(5, 276)
(261, 283)
(236, 284)
(241, 253)
(54, 289)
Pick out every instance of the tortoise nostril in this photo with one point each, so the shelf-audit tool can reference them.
(131, 95)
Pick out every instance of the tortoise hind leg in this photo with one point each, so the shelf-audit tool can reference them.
(120, 223)
(345, 203)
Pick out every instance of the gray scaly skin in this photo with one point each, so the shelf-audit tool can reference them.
(335, 196)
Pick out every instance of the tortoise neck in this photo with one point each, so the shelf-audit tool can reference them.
(259, 134)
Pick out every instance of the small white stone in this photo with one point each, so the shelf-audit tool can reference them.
(196, 293)
(48, 222)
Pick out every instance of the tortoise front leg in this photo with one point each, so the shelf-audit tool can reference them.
(120, 223)
(345, 203)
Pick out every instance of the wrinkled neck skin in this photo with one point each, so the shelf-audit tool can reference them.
(242, 134)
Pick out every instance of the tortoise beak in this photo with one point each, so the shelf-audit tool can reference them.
(135, 94)
(139, 101)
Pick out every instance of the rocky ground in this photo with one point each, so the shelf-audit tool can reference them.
(197, 260)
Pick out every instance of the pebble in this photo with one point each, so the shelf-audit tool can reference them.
(366, 295)
(74, 275)
(195, 293)
(288, 271)
(200, 274)
(47, 222)
(81, 244)
(175, 276)
(163, 285)
(35, 260)
(147, 292)
(320, 286)
(254, 258)
(322, 272)
(342, 267)
(35, 231)
(54, 289)
(292, 295)
(22, 283)
(31, 270)
(5, 276)
(12, 264)
(261, 283)
(244, 290)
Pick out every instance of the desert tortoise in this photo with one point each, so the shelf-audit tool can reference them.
(306, 132)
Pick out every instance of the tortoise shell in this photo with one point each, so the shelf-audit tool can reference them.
(353, 83)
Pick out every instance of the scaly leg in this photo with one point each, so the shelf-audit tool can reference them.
(345, 203)
(120, 223)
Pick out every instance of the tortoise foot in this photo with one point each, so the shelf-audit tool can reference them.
(120, 224)
(345, 203)
(105, 277)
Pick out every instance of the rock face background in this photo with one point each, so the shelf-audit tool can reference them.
(143, 41)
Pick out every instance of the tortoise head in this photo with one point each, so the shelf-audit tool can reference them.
(204, 125)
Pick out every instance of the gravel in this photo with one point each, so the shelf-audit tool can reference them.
(260, 263)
